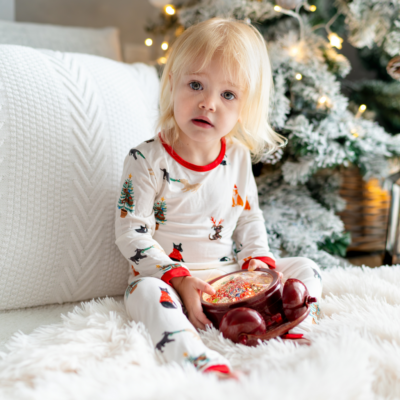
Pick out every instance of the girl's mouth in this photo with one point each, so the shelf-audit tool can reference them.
(202, 124)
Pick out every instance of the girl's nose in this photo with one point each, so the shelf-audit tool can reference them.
(207, 103)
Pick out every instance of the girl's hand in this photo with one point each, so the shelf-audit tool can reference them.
(253, 264)
(189, 289)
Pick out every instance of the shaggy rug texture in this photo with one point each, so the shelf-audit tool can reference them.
(97, 353)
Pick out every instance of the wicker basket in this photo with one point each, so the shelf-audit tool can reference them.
(366, 213)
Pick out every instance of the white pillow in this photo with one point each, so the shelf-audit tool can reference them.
(102, 42)
(67, 122)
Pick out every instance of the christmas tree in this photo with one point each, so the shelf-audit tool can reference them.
(125, 202)
(299, 185)
(160, 212)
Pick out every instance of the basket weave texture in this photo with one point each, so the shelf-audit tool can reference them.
(366, 212)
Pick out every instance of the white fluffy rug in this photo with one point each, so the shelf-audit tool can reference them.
(96, 353)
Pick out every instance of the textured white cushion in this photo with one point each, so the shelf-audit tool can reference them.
(67, 122)
(100, 42)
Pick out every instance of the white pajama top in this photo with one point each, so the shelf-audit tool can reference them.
(173, 217)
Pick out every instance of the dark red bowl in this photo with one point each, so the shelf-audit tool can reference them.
(268, 302)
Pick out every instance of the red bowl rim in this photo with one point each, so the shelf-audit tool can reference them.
(216, 306)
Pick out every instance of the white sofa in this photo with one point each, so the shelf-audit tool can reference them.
(67, 120)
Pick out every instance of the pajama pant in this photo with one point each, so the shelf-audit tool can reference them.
(158, 306)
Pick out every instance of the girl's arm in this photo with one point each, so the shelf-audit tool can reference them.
(135, 221)
(250, 235)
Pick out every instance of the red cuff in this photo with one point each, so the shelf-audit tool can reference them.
(173, 273)
(219, 367)
(269, 261)
(292, 336)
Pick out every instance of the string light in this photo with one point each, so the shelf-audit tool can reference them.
(313, 8)
(293, 50)
(299, 76)
(335, 40)
(296, 51)
(162, 60)
(164, 45)
(169, 9)
(361, 109)
(277, 8)
(323, 102)
(354, 132)
(148, 42)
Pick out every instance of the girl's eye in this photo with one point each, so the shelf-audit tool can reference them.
(196, 85)
(229, 98)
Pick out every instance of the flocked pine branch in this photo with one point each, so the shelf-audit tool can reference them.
(372, 22)
(296, 223)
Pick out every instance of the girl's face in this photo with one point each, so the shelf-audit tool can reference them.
(209, 95)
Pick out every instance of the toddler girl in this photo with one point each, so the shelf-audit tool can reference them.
(189, 192)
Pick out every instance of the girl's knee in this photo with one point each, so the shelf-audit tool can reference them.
(148, 292)
(312, 266)
(148, 296)
(307, 261)
(147, 287)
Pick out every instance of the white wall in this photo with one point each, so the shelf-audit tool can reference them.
(7, 10)
(130, 16)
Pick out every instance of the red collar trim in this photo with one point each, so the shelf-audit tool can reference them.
(194, 167)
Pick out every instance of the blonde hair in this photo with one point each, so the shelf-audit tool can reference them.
(245, 60)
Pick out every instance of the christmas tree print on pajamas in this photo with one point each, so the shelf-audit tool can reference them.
(125, 203)
(160, 211)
